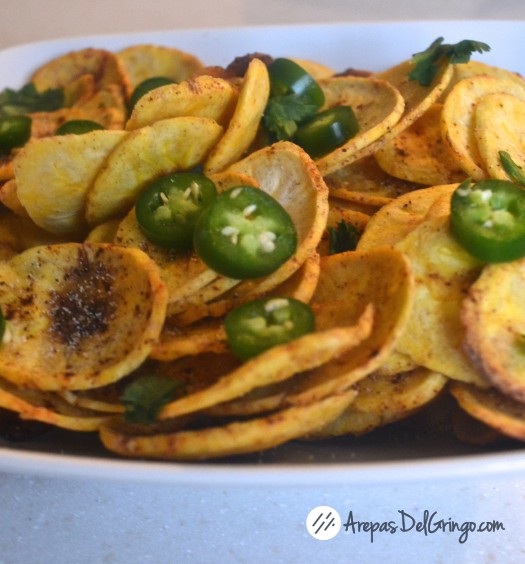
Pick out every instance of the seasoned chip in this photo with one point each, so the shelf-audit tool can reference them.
(458, 117)
(418, 154)
(202, 96)
(144, 61)
(67, 166)
(365, 181)
(105, 66)
(244, 124)
(492, 408)
(234, 438)
(78, 315)
(494, 320)
(377, 106)
(443, 273)
(392, 222)
(508, 112)
(48, 407)
(383, 400)
(144, 155)
(9, 197)
(380, 277)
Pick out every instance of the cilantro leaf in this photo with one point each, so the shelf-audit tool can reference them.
(428, 62)
(28, 99)
(145, 396)
(343, 237)
(514, 172)
(283, 113)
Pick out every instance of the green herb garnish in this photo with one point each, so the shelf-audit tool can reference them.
(428, 62)
(28, 99)
(514, 172)
(283, 114)
(145, 396)
(343, 237)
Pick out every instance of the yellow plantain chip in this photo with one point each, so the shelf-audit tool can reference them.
(494, 320)
(48, 407)
(144, 155)
(143, 61)
(202, 96)
(235, 438)
(383, 400)
(274, 365)
(104, 233)
(105, 66)
(458, 117)
(377, 106)
(380, 277)
(492, 408)
(78, 316)
(474, 68)
(365, 181)
(67, 166)
(418, 154)
(79, 90)
(395, 220)
(244, 123)
(443, 274)
(45, 124)
(508, 112)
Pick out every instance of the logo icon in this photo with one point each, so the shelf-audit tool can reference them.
(323, 522)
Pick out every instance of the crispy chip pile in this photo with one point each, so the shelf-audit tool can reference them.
(404, 316)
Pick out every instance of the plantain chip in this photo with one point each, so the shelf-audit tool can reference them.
(458, 117)
(67, 166)
(234, 438)
(380, 277)
(78, 316)
(383, 400)
(203, 96)
(508, 112)
(493, 408)
(244, 123)
(366, 182)
(9, 198)
(443, 274)
(418, 154)
(377, 106)
(494, 320)
(105, 66)
(143, 61)
(48, 407)
(144, 155)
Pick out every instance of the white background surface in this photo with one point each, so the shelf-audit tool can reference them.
(74, 520)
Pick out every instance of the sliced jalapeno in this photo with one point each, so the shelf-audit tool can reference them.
(78, 127)
(146, 86)
(14, 132)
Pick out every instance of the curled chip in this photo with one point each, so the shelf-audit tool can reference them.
(49, 407)
(144, 61)
(144, 155)
(377, 105)
(202, 96)
(67, 166)
(458, 117)
(508, 112)
(244, 124)
(492, 408)
(78, 316)
(239, 437)
(418, 154)
(494, 320)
